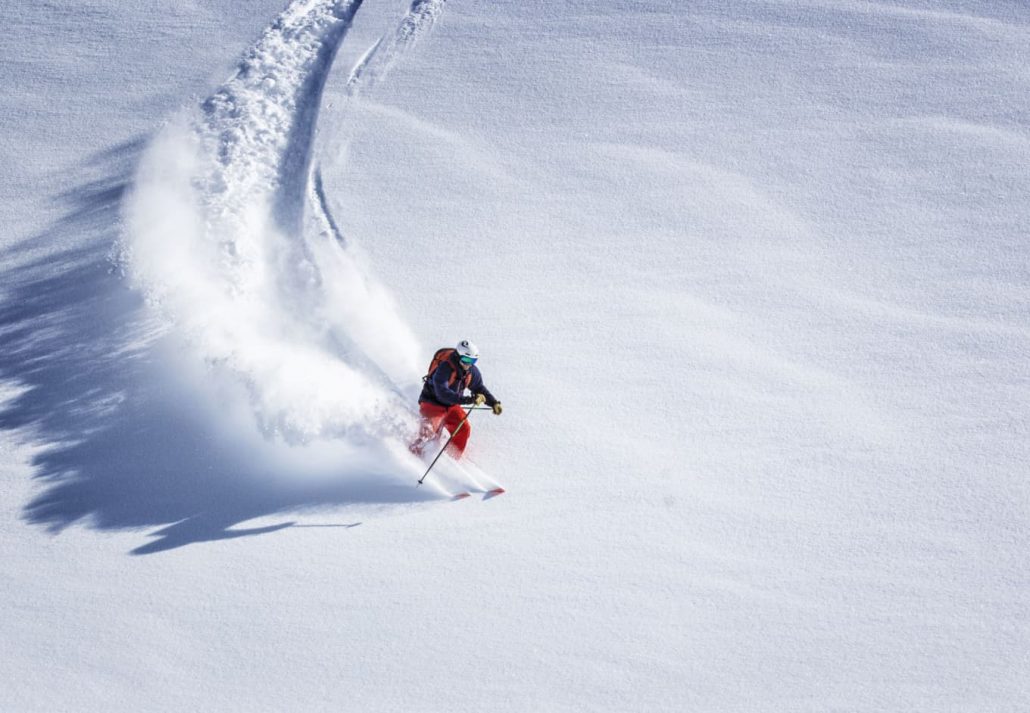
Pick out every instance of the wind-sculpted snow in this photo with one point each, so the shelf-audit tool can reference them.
(233, 244)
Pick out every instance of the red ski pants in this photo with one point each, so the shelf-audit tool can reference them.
(433, 417)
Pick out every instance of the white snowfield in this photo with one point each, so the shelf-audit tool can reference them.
(751, 279)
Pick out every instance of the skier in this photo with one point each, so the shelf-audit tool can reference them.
(451, 372)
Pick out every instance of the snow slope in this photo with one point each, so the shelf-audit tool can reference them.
(750, 279)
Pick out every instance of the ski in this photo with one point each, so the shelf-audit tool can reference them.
(487, 494)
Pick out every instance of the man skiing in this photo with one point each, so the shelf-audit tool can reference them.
(451, 372)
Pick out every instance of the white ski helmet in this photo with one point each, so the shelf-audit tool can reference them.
(466, 348)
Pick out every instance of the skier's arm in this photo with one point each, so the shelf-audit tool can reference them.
(478, 387)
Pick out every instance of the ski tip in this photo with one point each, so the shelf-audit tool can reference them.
(494, 493)
(459, 496)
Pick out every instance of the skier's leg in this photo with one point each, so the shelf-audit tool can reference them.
(432, 419)
(455, 415)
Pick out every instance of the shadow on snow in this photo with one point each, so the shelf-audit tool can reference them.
(119, 448)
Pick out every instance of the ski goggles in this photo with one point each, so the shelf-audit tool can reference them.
(468, 360)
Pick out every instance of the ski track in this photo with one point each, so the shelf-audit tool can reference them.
(383, 55)
(231, 239)
(321, 201)
(258, 276)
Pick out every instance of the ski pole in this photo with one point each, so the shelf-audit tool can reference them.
(460, 425)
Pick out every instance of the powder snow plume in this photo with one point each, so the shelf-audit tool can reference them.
(229, 238)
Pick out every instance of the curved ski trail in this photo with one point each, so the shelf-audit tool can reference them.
(220, 240)
(231, 238)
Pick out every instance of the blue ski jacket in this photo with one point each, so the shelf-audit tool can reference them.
(438, 389)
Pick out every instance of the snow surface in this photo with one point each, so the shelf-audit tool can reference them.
(751, 280)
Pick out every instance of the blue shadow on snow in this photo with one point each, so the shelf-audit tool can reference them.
(117, 446)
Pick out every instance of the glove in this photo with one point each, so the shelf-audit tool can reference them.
(479, 400)
(497, 408)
